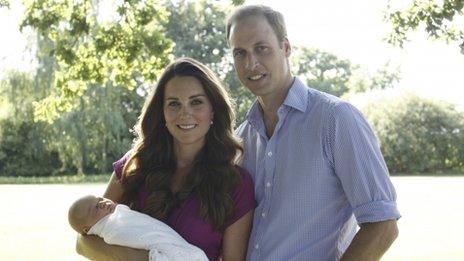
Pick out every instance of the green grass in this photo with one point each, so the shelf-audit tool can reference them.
(433, 174)
(103, 178)
(70, 179)
(34, 223)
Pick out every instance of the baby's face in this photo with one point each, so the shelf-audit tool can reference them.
(96, 208)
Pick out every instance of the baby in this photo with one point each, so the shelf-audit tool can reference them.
(119, 225)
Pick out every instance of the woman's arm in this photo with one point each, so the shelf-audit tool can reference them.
(94, 248)
(114, 189)
(235, 240)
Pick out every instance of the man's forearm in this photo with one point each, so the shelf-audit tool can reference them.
(372, 241)
(94, 248)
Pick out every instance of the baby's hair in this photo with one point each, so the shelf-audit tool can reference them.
(77, 217)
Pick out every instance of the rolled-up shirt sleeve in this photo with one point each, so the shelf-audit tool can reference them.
(358, 162)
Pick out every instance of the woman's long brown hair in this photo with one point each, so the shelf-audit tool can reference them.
(152, 161)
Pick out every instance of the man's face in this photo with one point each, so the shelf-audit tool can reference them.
(260, 59)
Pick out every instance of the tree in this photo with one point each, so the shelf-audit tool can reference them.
(322, 70)
(326, 72)
(442, 20)
(385, 77)
(92, 135)
(89, 136)
(197, 30)
(418, 135)
(4, 3)
(128, 50)
(24, 144)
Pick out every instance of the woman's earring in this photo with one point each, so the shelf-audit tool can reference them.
(211, 122)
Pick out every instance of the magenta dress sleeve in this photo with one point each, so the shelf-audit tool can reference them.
(119, 165)
(243, 196)
(142, 193)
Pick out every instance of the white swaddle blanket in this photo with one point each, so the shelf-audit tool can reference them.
(126, 227)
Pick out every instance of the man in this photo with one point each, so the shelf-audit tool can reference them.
(315, 161)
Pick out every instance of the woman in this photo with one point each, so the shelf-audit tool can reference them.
(182, 167)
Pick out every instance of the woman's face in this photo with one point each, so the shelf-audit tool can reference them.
(188, 111)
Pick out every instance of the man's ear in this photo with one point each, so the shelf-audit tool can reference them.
(287, 47)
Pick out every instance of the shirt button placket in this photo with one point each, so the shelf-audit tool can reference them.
(269, 168)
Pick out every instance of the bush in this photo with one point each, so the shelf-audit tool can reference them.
(23, 149)
(418, 135)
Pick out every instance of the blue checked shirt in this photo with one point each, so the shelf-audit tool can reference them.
(319, 175)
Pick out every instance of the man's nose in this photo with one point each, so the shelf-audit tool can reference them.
(251, 62)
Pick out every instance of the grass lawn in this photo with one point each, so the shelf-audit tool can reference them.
(33, 224)
(70, 179)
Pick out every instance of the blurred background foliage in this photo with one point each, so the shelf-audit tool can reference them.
(418, 135)
(75, 113)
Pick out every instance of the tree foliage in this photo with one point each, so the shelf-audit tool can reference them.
(322, 70)
(238, 2)
(419, 135)
(95, 133)
(4, 3)
(327, 72)
(385, 77)
(24, 144)
(441, 20)
(128, 50)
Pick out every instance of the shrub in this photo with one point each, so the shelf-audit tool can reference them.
(418, 135)
(23, 149)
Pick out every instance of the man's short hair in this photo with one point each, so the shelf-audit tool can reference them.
(274, 18)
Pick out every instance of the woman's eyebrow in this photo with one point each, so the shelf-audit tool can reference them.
(196, 96)
(191, 97)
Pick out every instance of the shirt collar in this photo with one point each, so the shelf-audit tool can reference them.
(297, 97)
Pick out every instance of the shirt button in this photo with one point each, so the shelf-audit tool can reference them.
(269, 153)
(268, 184)
(256, 246)
(263, 214)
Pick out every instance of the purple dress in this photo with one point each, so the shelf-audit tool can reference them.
(186, 220)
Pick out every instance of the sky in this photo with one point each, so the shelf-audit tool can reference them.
(351, 29)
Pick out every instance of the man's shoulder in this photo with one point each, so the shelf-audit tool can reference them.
(325, 100)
